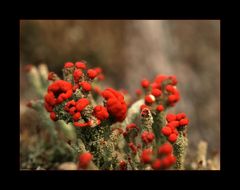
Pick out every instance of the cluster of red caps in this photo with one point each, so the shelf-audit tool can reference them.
(156, 89)
(174, 123)
(115, 104)
(163, 160)
(61, 91)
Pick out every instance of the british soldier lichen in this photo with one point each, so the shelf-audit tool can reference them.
(109, 132)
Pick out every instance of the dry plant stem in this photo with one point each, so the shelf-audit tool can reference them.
(202, 155)
(159, 123)
(180, 151)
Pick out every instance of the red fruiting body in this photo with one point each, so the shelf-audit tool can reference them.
(170, 88)
(146, 156)
(115, 104)
(160, 78)
(138, 92)
(149, 99)
(81, 104)
(145, 83)
(69, 105)
(51, 76)
(175, 132)
(172, 138)
(53, 116)
(143, 107)
(122, 165)
(155, 85)
(98, 70)
(100, 112)
(58, 91)
(85, 86)
(80, 65)
(171, 158)
(166, 131)
(166, 148)
(132, 126)
(87, 124)
(100, 77)
(166, 162)
(72, 110)
(156, 92)
(174, 124)
(132, 147)
(160, 108)
(76, 116)
(91, 73)
(180, 116)
(183, 122)
(68, 65)
(84, 160)
(147, 137)
(174, 79)
(48, 107)
(77, 75)
(150, 136)
(156, 164)
(170, 117)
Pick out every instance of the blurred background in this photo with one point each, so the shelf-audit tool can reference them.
(130, 50)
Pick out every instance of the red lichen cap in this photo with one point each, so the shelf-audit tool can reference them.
(51, 76)
(80, 65)
(76, 116)
(172, 138)
(174, 79)
(166, 131)
(100, 112)
(132, 126)
(147, 137)
(173, 124)
(91, 73)
(68, 65)
(149, 99)
(156, 92)
(86, 124)
(81, 104)
(166, 148)
(115, 104)
(170, 117)
(58, 91)
(145, 83)
(160, 108)
(53, 116)
(85, 86)
(146, 155)
(132, 147)
(69, 105)
(122, 165)
(138, 92)
(77, 75)
(180, 116)
(143, 106)
(84, 160)
(160, 78)
(183, 122)
(156, 164)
